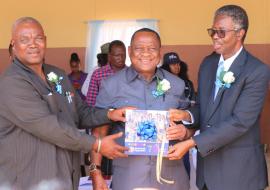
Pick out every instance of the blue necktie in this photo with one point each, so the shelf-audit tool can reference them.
(219, 69)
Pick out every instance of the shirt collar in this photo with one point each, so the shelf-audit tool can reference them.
(17, 62)
(228, 62)
(132, 74)
(109, 66)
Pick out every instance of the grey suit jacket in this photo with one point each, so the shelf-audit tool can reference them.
(230, 154)
(39, 137)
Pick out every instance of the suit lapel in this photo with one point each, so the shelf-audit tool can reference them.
(41, 86)
(210, 86)
(46, 71)
(236, 68)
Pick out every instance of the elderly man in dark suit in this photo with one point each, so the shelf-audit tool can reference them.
(232, 90)
(40, 114)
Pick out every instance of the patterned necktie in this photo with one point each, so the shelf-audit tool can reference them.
(219, 69)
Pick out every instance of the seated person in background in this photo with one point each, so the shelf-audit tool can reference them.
(134, 86)
(77, 77)
(102, 60)
(174, 65)
(40, 114)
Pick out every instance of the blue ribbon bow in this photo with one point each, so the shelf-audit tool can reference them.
(147, 130)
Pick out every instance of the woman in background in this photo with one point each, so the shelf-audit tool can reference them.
(174, 65)
(77, 77)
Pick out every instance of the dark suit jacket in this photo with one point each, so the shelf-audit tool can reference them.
(39, 137)
(230, 154)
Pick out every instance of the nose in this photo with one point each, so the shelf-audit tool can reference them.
(146, 52)
(32, 43)
(120, 57)
(215, 36)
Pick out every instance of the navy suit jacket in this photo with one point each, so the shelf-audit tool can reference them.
(230, 154)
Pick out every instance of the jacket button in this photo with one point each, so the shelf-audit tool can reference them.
(211, 150)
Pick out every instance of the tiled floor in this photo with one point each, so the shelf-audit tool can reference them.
(192, 181)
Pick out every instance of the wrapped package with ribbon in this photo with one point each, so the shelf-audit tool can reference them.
(144, 131)
(145, 134)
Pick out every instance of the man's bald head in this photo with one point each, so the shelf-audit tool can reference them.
(24, 20)
(28, 41)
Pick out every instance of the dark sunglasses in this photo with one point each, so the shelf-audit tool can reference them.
(220, 33)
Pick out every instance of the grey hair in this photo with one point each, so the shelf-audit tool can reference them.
(238, 15)
(24, 20)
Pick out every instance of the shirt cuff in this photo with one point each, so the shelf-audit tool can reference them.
(192, 119)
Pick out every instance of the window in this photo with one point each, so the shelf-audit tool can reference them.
(100, 32)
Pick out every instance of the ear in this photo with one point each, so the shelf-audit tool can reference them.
(240, 34)
(45, 40)
(109, 57)
(12, 43)
(129, 50)
(160, 54)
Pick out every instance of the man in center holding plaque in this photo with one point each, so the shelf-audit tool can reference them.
(145, 87)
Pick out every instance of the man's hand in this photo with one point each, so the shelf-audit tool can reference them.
(119, 113)
(179, 115)
(110, 148)
(176, 132)
(98, 181)
(178, 150)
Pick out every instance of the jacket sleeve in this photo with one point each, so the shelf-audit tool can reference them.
(23, 107)
(245, 114)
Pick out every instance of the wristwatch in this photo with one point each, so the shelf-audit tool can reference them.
(109, 110)
(93, 167)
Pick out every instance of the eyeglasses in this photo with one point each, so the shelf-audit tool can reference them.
(220, 33)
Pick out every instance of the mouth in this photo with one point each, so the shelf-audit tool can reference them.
(34, 53)
(145, 61)
(120, 63)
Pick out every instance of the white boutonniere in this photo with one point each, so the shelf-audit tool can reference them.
(162, 87)
(53, 78)
(226, 78)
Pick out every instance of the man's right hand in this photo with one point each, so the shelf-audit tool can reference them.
(110, 148)
(98, 181)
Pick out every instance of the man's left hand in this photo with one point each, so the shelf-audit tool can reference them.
(178, 150)
(176, 132)
(119, 113)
